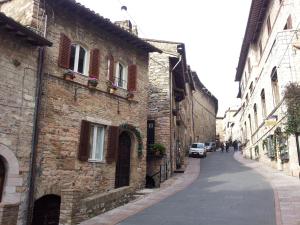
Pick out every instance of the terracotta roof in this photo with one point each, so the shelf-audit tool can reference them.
(105, 24)
(9, 25)
(255, 20)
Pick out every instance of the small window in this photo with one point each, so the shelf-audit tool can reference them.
(96, 142)
(121, 75)
(249, 65)
(289, 24)
(269, 27)
(260, 49)
(78, 59)
(251, 87)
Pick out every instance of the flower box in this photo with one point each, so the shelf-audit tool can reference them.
(69, 75)
(92, 82)
(130, 96)
(111, 87)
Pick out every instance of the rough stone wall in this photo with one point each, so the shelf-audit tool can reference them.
(66, 103)
(27, 12)
(204, 117)
(18, 63)
(8, 214)
(160, 100)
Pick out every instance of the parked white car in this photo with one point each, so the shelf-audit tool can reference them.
(198, 150)
(210, 146)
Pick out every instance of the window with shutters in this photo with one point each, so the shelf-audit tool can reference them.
(79, 59)
(96, 142)
(121, 79)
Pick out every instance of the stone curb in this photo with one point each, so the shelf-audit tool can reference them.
(278, 181)
(168, 188)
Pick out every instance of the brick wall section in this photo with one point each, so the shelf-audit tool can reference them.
(17, 99)
(8, 214)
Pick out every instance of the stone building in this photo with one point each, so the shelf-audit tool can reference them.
(268, 62)
(170, 112)
(231, 124)
(220, 132)
(205, 108)
(91, 153)
(20, 58)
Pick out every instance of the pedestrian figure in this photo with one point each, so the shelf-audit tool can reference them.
(222, 147)
(227, 147)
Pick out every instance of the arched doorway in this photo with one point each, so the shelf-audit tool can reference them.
(123, 163)
(2, 177)
(46, 210)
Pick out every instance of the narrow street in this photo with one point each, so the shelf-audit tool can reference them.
(225, 193)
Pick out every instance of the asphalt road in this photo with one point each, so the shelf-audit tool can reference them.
(225, 193)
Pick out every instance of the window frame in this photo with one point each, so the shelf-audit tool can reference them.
(93, 137)
(76, 59)
(124, 74)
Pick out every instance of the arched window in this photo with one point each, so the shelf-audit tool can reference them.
(250, 123)
(78, 59)
(2, 177)
(246, 133)
(263, 103)
(275, 86)
(255, 115)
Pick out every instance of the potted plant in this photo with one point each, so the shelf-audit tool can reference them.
(130, 95)
(111, 87)
(158, 149)
(69, 75)
(92, 82)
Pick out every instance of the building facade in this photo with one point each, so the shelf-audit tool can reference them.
(205, 109)
(169, 112)
(91, 152)
(21, 54)
(268, 62)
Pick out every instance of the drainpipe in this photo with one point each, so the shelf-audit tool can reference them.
(35, 133)
(171, 115)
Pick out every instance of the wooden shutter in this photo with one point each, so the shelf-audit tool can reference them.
(64, 51)
(84, 145)
(111, 69)
(113, 143)
(132, 75)
(94, 63)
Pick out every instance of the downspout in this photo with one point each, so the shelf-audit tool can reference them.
(35, 133)
(171, 115)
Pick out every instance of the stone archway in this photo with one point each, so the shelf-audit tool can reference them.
(12, 177)
(46, 210)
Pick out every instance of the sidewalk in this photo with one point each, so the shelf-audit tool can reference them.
(286, 191)
(168, 188)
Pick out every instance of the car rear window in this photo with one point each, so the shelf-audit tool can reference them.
(198, 145)
(206, 144)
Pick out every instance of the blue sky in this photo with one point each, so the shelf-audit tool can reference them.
(212, 31)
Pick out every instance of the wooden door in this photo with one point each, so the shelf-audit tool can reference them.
(46, 210)
(2, 177)
(123, 162)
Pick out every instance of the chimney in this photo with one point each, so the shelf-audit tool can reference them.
(125, 23)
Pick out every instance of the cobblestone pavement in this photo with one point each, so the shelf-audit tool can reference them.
(286, 189)
(168, 188)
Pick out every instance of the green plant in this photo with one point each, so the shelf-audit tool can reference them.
(137, 134)
(159, 148)
(292, 96)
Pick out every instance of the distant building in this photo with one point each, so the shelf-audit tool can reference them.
(205, 109)
(269, 61)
